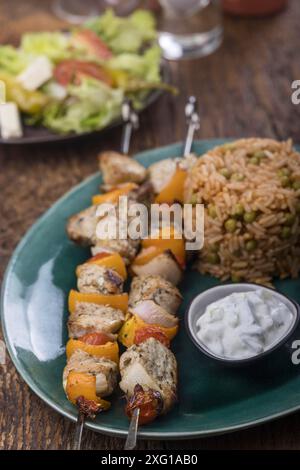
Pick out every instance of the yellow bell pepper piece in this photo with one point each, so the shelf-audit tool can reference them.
(176, 245)
(113, 196)
(31, 102)
(109, 350)
(119, 301)
(174, 191)
(127, 332)
(82, 384)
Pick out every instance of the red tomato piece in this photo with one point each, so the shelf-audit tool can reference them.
(143, 334)
(95, 339)
(71, 70)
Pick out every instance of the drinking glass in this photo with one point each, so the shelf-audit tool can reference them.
(190, 28)
(77, 11)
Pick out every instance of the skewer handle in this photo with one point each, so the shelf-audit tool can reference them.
(193, 122)
(131, 121)
(78, 431)
(130, 443)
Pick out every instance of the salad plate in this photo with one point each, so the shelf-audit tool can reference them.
(212, 399)
(65, 85)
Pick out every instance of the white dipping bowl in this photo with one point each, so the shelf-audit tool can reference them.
(198, 306)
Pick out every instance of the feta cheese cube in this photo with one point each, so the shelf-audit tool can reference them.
(36, 74)
(10, 122)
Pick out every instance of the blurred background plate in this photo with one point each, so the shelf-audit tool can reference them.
(213, 399)
(42, 135)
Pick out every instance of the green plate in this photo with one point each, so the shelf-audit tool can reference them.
(213, 399)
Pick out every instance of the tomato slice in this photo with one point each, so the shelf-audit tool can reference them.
(90, 41)
(71, 71)
(95, 339)
(142, 334)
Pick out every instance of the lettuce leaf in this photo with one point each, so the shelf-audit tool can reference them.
(124, 34)
(53, 45)
(91, 105)
(145, 67)
(12, 60)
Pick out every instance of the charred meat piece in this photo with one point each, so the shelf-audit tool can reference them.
(93, 318)
(105, 371)
(81, 227)
(93, 278)
(164, 265)
(155, 288)
(149, 402)
(152, 366)
(117, 168)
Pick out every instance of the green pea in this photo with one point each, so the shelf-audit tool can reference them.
(235, 277)
(285, 181)
(212, 212)
(251, 245)
(214, 247)
(249, 217)
(213, 258)
(237, 177)
(238, 210)
(259, 154)
(230, 225)
(290, 219)
(296, 185)
(254, 161)
(225, 172)
(228, 146)
(286, 232)
(193, 199)
(284, 172)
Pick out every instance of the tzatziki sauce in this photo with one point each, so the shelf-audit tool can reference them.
(244, 324)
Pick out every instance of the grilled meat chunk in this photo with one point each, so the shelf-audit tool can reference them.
(126, 248)
(117, 168)
(105, 371)
(81, 227)
(93, 318)
(152, 366)
(160, 173)
(93, 278)
(155, 288)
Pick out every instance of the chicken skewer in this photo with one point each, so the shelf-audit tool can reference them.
(92, 350)
(148, 368)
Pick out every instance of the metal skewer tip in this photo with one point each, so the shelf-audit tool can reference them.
(130, 443)
(78, 431)
(131, 121)
(193, 122)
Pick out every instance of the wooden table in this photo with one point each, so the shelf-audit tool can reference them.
(244, 90)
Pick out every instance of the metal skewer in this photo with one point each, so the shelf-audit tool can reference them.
(131, 121)
(130, 443)
(78, 431)
(193, 122)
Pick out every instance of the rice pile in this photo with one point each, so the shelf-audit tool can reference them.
(251, 192)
